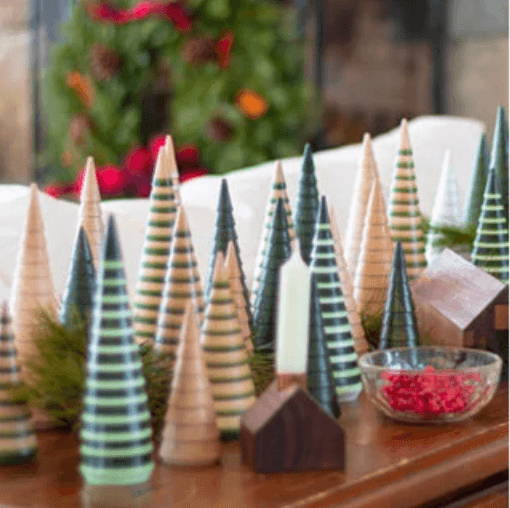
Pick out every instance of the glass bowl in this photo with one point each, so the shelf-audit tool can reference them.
(430, 384)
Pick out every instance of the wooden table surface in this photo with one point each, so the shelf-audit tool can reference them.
(389, 464)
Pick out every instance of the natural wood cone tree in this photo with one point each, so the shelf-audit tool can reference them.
(89, 214)
(376, 255)
(236, 288)
(499, 155)
(156, 251)
(226, 357)
(171, 161)
(190, 435)
(17, 437)
(32, 289)
(357, 330)
(278, 190)
(182, 285)
(115, 435)
(404, 207)
(367, 170)
(477, 183)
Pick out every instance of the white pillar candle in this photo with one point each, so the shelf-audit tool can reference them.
(293, 316)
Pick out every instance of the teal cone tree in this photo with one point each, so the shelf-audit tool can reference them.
(499, 155)
(399, 328)
(321, 385)
(342, 355)
(477, 184)
(490, 249)
(277, 252)
(81, 283)
(307, 204)
(116, 446)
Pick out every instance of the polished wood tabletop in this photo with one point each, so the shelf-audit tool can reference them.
(388, 464)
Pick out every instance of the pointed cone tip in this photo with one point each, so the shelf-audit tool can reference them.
(161, 169)
(323, 215)
(111, 250)
(278, 173)
(405, 142)
(181, 221)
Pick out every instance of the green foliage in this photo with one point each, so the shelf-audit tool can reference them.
(450, 236)
(262, 368)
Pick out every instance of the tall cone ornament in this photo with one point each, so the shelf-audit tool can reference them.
(367, 170)
(171, 162)
(404, 207)
(342, 355)
(115, 435)
(156, 251)
(227, 360)
(190, 435)
(278, 190)
(357, 330)
(33, 288)
(477, 183)
(17, 437)
(499, 155)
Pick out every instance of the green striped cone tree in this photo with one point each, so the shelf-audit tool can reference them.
(277, 252)
(399, 328)
(307, 204)
(80, 285)
(17, 437)
(156, 251)
(490, 248)
(182, 285)
(499, 155)
(226, 357)
(115, 436)
(278, 190)
(342, 355)
(477, 183)
(404, 208)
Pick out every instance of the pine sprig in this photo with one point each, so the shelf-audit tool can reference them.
(450, 236)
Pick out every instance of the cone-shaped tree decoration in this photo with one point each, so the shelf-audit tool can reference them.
(116, 446)
(190, 436)
(357, 330)
(399, 328)
(447, 209)
(365, 176)
(343, 357)
(156, 251)
(224, 232)
(321, 384)
(32, 288)
(81, 284)
(171, 162)
(225, 355)
(278, 190)
(374, 264)
(499, 155)
(404, 207)
(17, 438)
(477, 184)
(89, 214)
(236, 287)
(490, 249)
(182, 285)
(307, 204)
(277, 252)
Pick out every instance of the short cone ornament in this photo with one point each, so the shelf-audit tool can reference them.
(226, 357)
(116, 446)
(321, 385)
(278, 190)
(182, 286)
(307, 204)
(76, 306)
(499, 155)
(376, 255)
(32, 289)
(190, 435)
(357, 330)
(477, 183)
(447, 209)
(156, 251)
(399, 328)
(277, 252)
(359, 201)
(171, 161)
(90, 216)
(337, 330)
(404, 207)
(17, 437)
(223, 233)
(490, 249)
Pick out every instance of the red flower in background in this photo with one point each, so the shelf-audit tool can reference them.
(187, 155)
(112, 180)
(141, 187)
(178, 15)
(155, 144)
(223, 49)
(189, 174)
(58, 190)
(139, 162)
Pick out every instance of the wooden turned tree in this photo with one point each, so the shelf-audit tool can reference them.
(499, 156)
(156, 251)
(171, 161)
(190, 435)
(477, 183)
